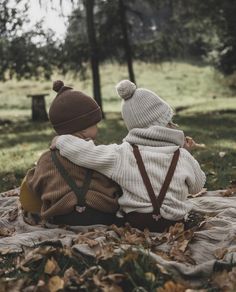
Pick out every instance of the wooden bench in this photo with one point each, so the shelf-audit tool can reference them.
(39, 112)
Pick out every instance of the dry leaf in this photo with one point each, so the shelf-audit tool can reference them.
(55, 283)
(220, 253)
(133, 238)
(226, 281)
(202, 192)
(230, 191)
(71, 274)
(4, 231)
(176, 230)
(171, 286)
(180, 256)
(114, 277)
(13, 214)
(84, 239)
(112, 288)
(105, 252)
(11, 193)
(182, 247)
(130, 256)
(163, 254)
(150, 277)
(51, 267)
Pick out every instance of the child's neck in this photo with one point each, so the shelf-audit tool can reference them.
(82, 136)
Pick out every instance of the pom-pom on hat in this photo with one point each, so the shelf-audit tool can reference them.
(141, 107)
(72, 111)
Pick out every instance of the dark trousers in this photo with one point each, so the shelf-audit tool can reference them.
(88, 217)
(145, 220)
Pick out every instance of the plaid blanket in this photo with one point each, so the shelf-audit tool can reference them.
(191, 254)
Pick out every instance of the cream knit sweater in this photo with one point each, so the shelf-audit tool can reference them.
(157, 145)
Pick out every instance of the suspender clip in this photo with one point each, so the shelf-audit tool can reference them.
(156, 217)
(80, 209)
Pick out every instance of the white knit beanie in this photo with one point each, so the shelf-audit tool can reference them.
(141, 107)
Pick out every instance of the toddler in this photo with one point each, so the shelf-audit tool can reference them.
(59, 190)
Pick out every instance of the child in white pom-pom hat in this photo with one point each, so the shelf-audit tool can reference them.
(152, 166)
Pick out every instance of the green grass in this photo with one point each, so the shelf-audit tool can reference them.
(206, 110)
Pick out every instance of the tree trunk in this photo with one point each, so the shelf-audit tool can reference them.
(38, 107)
(94, 52)
(127, 47)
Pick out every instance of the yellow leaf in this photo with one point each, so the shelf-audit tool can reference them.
(171, 286)
(150, 277)
(220, 253)
(55, 283)
(51, 266)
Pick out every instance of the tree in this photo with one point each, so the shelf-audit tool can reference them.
(21, 55)
(127, 47)
(94, 51)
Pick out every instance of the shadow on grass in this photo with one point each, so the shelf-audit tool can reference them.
(217, 130)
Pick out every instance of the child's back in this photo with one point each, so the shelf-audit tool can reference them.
(70, 194)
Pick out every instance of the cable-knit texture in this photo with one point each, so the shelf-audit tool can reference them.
(144, 108)
(148, 136)
(118, 163)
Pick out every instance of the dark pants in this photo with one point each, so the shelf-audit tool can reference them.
(145, 220)
(88, 217)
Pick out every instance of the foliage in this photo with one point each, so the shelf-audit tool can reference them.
(25, 54)
(158, 30)
(204, 29)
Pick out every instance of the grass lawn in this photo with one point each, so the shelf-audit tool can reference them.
(205, 107)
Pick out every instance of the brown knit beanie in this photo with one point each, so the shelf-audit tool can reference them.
(72, 111)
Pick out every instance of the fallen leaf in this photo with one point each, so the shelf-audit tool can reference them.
(230, 191)
(175, 230)
(11, 193)
(130, 256)
(202, 192)
(85, 239)
(182, 247)
(55, 283)
(220, 253)
(13, 214)
(71, 274)
(150, 277)
(51, 267)
(171, 286)
(105, 252)
(4, 231)
(225, 280)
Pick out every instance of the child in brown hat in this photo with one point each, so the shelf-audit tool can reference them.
(60, 191)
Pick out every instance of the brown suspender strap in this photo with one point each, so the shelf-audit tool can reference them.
(169, 176)
(156, 202)
(146, 179)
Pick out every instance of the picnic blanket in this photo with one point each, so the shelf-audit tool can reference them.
(188, 255)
